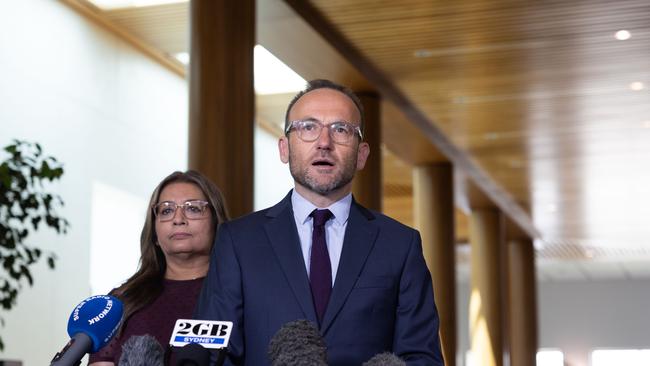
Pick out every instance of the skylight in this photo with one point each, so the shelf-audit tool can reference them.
(121, 4)
(272, 76)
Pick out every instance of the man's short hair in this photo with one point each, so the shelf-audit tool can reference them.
(321, 84)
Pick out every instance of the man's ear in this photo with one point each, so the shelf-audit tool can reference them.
(362, 155)
(283, 147)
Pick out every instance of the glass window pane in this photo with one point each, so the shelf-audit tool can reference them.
(617, 357)
(550, 357)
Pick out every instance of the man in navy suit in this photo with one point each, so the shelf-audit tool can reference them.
(318, 255)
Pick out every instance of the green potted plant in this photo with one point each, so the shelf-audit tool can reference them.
(25, 206)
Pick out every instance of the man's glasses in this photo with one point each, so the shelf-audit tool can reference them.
(192, 210)
(309, 130)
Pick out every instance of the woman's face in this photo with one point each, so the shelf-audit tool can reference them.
(178, 235)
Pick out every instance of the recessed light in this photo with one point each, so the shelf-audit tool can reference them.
(183, 57)
(551, 207)
(646, 124)
(623, 35)
(637, 86)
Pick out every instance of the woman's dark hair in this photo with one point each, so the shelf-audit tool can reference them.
(147, 282)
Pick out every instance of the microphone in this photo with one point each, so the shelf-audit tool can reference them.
(195, 337)
(297, 343)
(385, 359)
(213, 334)
(143, 350)
(91, 325)
(193, 354)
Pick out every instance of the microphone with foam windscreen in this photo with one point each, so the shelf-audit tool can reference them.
(385, 359)
(143, 350)
(297, 343)
(91, 325)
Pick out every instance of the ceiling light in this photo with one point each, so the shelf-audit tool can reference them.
(622, 35)
(272, 76)
(637, 86)
(491, 136)
(183, 57)
(646, 124)
(551, 207)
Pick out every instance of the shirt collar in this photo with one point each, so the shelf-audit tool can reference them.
(302, 208)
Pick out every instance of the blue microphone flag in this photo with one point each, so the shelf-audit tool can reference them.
(98, 317)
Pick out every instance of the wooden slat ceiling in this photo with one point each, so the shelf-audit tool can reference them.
(535, 93)
(163, 26)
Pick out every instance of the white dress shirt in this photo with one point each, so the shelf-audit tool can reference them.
(334, 228)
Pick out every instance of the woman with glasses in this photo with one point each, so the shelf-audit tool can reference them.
(184, 212)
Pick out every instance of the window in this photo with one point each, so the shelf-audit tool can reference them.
(550, 357)
(545, 357)
(617, 357)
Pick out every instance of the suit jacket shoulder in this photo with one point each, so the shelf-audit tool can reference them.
(260, 216)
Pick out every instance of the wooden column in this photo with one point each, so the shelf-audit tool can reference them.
(433, 197)
(222, 97)
(367, 183)
(522, 302)
(486, 298)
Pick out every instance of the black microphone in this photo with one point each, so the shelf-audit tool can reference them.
(143, 350)
(297, 343)
(192, 354)
(385, 359)
(92, 324)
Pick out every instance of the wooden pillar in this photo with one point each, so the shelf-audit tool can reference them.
(367, 183)
(433, 197)
(522, 302)
(486, 298)
(222, 97)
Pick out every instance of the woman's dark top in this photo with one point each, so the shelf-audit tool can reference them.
(157, 319)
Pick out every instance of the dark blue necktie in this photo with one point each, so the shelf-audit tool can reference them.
(320, 268)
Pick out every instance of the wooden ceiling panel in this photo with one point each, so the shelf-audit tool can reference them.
(405, 140)
(163, 26)
(537, 93)
(291, 39)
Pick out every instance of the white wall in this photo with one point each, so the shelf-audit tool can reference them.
(273, 179)
(116, 119)
(579, 316)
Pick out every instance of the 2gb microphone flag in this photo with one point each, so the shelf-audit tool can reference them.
(213, 334)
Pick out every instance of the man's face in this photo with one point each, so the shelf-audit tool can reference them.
(323, 166)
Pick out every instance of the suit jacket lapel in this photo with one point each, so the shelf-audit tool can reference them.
(283, 236)
(360, 236)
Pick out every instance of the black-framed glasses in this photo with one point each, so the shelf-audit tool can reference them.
(192, 210)
(309, 130)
